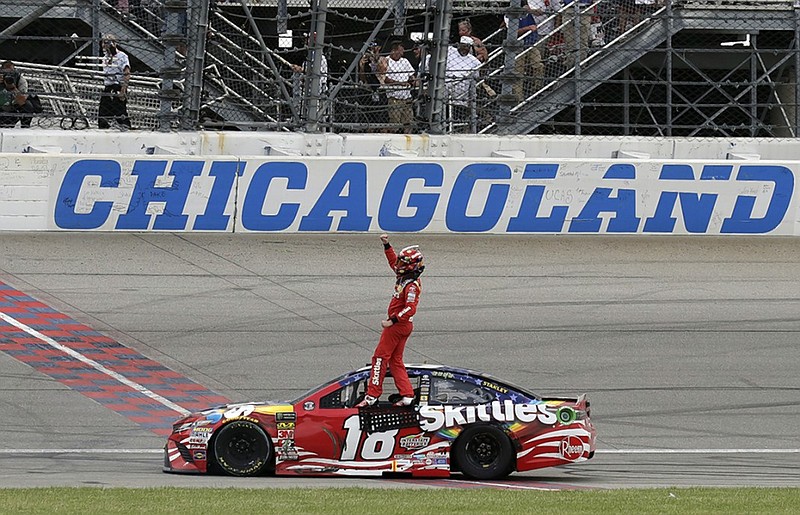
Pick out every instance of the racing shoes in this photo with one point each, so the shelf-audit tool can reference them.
(404, 401)
(369, 400)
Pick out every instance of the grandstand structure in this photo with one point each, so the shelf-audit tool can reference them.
(714, 68)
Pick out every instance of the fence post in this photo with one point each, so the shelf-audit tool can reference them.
(195, 62)
(314, 62)
(174, 34)
(441, 40)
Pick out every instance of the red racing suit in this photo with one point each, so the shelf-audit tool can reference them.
(392, 343)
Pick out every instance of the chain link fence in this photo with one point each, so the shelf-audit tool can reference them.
(588, 67)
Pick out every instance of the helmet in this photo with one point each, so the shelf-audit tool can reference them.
(409, 260)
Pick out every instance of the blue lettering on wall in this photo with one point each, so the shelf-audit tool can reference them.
(527, 219)
(252, 217)
(741, 220)
(601, 200)
(456, 218)
(623, 204)
(389, 218)
(696, 209)
(345, 197)
(350, 176)
(146, 192)
(214, 217)
(65, 216)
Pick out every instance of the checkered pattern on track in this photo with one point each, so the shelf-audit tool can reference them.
(89, 381)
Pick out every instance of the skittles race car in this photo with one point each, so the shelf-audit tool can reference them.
(460, 421)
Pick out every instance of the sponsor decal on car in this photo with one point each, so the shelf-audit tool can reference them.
(414, 441)
(571, 448)
(493, 386)
(434, 418)
(284, 425)
(200, 435)
(285, 416)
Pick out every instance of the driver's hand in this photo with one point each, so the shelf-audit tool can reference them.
(384, 238)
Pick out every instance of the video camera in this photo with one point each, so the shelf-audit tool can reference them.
(10, 78)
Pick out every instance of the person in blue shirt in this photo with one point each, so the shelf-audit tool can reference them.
(529, 66)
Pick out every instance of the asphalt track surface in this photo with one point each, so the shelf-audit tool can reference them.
(687, 347)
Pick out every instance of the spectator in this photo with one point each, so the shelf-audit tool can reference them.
(576, 39)
(544, 16)
(625, 15)
(460, 77)
(323, 72)
(371, 74)
(116, 75)
(422, 80)
(15, 104)
(399, 79)
(529, 64)
(478, 48)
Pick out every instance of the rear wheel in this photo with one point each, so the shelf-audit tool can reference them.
(484, 452)
(242, 448)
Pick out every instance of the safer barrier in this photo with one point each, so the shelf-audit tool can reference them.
(397, 191)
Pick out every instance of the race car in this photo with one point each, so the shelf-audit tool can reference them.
(460, 421)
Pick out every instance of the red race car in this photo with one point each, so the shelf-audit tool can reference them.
(460, 421)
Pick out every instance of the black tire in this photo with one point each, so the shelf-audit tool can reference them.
(242, 448)
(484, 452)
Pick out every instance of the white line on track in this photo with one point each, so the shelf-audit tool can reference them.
(94, 364)
(599, 451)
(696, 451)
(81, 451)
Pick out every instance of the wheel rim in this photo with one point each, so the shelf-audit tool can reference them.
(244, 447)
(483, 450)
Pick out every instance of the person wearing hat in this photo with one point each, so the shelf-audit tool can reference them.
(116, 75)
(478, 48)
(461, 73)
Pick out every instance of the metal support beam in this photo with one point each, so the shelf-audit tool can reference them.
(436, 89)
(28, 19)
(195, 56)
(314, 75)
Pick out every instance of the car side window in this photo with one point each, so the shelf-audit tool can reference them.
(454, 391)
(345, 397)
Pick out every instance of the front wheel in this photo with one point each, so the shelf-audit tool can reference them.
(242, 448)
(484, 452)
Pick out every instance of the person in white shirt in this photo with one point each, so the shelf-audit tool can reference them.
(398, 79)
(478, 48)
(461, 73)
(116, 75)
(544, 16)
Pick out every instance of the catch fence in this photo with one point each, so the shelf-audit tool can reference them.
(592, 67)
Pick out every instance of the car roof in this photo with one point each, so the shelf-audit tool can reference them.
(454, 370)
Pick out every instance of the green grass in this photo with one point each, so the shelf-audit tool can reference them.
(354, 501)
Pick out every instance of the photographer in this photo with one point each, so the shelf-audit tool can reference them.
(371, 74)
(116, 74)
(15, 106)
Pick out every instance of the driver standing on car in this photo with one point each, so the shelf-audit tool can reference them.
(398, 325)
